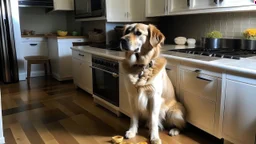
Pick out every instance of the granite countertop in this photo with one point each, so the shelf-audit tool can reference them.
(244, 65)
(51, 36)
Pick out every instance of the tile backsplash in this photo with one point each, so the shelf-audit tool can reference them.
(41, 22)
(231, 25)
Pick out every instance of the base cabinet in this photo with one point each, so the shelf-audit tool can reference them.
(239, 123)
(81, 70)
(200, 95)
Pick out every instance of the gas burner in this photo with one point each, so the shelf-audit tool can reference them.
(219, 53)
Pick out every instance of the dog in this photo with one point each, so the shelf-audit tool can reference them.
(151, 93)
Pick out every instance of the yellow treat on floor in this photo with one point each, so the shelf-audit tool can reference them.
(117, 139)
(142, 143)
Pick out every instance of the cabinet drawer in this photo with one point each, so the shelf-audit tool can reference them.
(82, 56)
(200, 111)
(72, 40)
(199, 84)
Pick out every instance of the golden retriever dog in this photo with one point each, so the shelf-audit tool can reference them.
(151, 93)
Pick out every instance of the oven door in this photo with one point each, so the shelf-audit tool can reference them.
(89, 8)
(106, 85)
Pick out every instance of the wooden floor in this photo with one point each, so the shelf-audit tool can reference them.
(55, 112)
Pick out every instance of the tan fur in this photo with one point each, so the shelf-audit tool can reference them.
(170, 109)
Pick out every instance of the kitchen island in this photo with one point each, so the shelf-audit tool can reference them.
(218, 93)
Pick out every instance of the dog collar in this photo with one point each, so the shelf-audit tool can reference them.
(145, 67)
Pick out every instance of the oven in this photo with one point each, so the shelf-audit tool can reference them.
(106, 79)
(89, 8)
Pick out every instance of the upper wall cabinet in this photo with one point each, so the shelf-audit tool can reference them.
(63, 4)
(228, 3)
(156, 7)
(125, 10)
(183, 7)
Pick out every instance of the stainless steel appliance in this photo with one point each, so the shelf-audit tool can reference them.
(8, 58)
(236, 54)
(89, 8)
(36, 3)
(106, 79)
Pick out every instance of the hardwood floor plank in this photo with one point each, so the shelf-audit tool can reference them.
(55, 104)
(72, 106)
(19, 134)
(44, 133)
(53, 115)
(22, 108)
(31, 133)
(60, 134)
(9, 138)
(77, 132)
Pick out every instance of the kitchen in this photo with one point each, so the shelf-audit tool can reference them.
(210, 52)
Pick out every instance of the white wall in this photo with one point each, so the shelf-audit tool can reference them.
(38, 20)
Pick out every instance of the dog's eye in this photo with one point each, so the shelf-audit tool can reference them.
(138, 33)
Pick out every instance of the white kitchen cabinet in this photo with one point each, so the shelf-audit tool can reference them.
(200, 92)
(60, 54)
(239, 122)
(156, 7)
(82, 72)
(124, 104)
(203, 4)
(65, 5)
(32, 47)
(125, 10)
(233, 3)
(178, 5)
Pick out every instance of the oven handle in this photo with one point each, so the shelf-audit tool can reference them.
(113, 74)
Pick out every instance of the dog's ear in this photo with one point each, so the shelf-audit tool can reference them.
(155, 36)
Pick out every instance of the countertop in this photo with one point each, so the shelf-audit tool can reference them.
(51, 36)
(244, 65)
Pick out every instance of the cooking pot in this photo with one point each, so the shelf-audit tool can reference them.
(211, 43)
(248, 44)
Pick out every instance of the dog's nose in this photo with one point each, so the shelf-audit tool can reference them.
(124, 44)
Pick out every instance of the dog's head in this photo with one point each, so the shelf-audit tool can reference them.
(140, 37)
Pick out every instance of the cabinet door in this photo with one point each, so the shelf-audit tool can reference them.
(172, 74)
(124, 103)
(156, 7)
(86, 77)
(178, 5)
(65, 59)
(203, 4)
(117, 10)
(63, 4)
(76, 71)
(231, 3)
(239, 124)
(136, 10)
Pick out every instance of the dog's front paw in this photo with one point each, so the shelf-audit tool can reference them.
(130, 134)
(156, 141)
(174, 132)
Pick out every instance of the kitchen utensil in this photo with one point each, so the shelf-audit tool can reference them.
(211, 43)
(62, 33)
(248, 44)
(180, 40)
(191, 42)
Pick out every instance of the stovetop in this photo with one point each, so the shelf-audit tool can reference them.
(220, 53)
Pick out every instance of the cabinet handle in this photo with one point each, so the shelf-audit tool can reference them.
(168, 69)
(128, 14)
(197, 71)
(33, 44)
(188, 3)
(125, 14)
(115, 75)
(81, 55)
(198, 77)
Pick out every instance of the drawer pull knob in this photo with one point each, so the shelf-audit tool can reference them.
(33, 44)
(80, 54)
(197, 71)
(198, 77)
